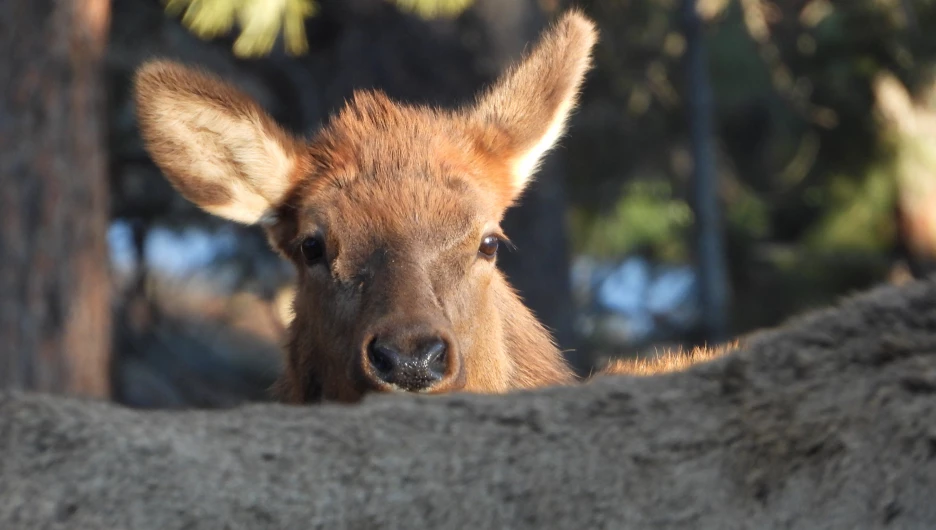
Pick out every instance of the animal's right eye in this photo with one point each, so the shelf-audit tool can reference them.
(313, 250)
(489, 246)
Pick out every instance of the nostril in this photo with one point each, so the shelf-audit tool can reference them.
(434, 356)
(382, 359)
(419, 366)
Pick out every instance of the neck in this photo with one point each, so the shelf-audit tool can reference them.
(537, 361)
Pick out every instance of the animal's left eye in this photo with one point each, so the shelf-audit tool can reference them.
(313, 250)
(489, 245)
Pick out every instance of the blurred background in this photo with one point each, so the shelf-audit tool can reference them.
(733, 163)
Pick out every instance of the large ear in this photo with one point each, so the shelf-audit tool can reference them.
(524, 113)
(214, 144)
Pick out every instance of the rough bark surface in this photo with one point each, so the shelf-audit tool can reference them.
(829, 422)
(54, 306)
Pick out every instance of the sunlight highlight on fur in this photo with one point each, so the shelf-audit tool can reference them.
(668, 361)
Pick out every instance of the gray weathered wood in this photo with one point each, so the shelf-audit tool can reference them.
(829, 422)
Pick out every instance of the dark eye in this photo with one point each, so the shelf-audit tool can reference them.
(313, 250)
(488, 247)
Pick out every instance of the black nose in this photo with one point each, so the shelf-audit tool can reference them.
(414, 371)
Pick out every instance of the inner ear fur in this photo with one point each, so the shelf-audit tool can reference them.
(522, 116)
(216, 146)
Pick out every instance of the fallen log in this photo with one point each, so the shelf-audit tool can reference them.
(827, 422)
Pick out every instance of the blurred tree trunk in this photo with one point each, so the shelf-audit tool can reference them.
(55, 305)
(911, 126)
(916, 197)
(916, 223)
(710, 256)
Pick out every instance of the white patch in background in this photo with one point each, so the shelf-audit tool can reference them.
(168, 253)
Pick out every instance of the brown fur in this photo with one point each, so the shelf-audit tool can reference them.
(668, 361)
(402, 197)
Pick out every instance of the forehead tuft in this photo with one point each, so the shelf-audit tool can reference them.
(384, 142)
(372, 134)
(404, 209)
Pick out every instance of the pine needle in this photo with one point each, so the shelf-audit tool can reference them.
(434, 8)
(262, 21)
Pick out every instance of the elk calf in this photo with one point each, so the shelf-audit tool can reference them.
(391, 216)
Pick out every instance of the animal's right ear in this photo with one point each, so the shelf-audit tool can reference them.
(216, 146)
(524, 113)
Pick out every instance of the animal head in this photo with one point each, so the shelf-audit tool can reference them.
(391, 214)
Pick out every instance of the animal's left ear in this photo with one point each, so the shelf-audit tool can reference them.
(524, 113)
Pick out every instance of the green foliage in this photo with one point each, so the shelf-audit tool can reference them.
(434, 8)
(262, 21)
(792, 87)
(858, 213)
(647, 216)
(749, 214)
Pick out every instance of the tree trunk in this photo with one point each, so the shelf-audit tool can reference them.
(55, 306)
(710, 255)
(916, 223)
